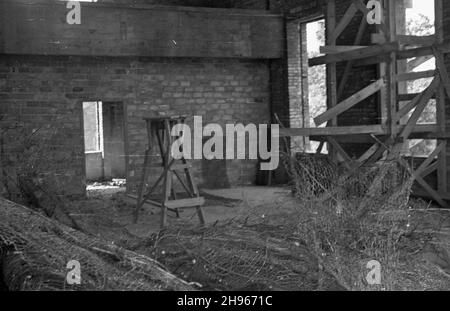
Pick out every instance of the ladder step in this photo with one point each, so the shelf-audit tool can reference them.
(174, 167)
(180, 167)
(185, 203)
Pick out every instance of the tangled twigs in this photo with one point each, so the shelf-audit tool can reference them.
(35, 251)
(347, 224)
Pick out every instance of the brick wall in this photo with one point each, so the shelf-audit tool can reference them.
(298, 80)
(49, 91)
(251, 4)
(194, 3)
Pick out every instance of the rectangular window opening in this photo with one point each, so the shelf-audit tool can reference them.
(316, 90)
(418, 20)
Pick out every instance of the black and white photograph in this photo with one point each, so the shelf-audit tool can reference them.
(224, 152)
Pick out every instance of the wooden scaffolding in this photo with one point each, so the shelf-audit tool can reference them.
(389, 50)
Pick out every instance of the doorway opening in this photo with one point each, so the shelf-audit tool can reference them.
(104, 140)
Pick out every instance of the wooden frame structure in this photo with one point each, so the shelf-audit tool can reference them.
(388, 50)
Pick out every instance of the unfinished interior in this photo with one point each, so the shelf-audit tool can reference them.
(89, 97)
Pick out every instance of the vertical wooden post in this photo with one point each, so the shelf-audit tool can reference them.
(440, 103)
(392, 70)
(382, 70)
(331, 68)
(402, 64)
(330, 25)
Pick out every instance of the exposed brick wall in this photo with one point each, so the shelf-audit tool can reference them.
(50, 90)
(298, 80)
(251, 4)
(193, 3)
(303, 8)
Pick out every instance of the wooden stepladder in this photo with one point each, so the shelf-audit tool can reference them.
(159, 133)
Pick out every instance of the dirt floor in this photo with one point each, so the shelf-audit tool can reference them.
(249, 241)
(241, 223)
(114, 206)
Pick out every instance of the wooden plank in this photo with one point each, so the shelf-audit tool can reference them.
(383, 148)
(420, 131)
(334, 131)
(132, 199)
(371, 51)
(421, 105)
(429, 170)
(377, 130)
(185, 203)
(409, 97)
(343, 23)
(347, 139)
(320, 148)
(341, 152)
(442, 169)
(416, 40)
(439, 20)
(441, 67)
(367, 139)
(375, 60)
(416, 62)
(180, 166)
(339, 48)
(433, 193)
(423, 51)
(428, 161)
(405, 54)
(409, 76)
(377, 38)
(349, 102)
(431, 135)
(391, 70)
(369, 153)
(423, 194)
(332, 97)
(426, 95)
(349, 65)
(418, 53)
(423, 128)
(382, 68)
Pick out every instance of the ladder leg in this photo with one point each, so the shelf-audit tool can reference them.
(174, 197)
(142, 186)
(190, 180)
(165, 196)
(167, 190)
(200, 214)
(146, 171)
(195, 192)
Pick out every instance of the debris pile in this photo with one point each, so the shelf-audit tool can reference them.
(35, 252)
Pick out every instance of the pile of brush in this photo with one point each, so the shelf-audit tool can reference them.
(37, 253)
